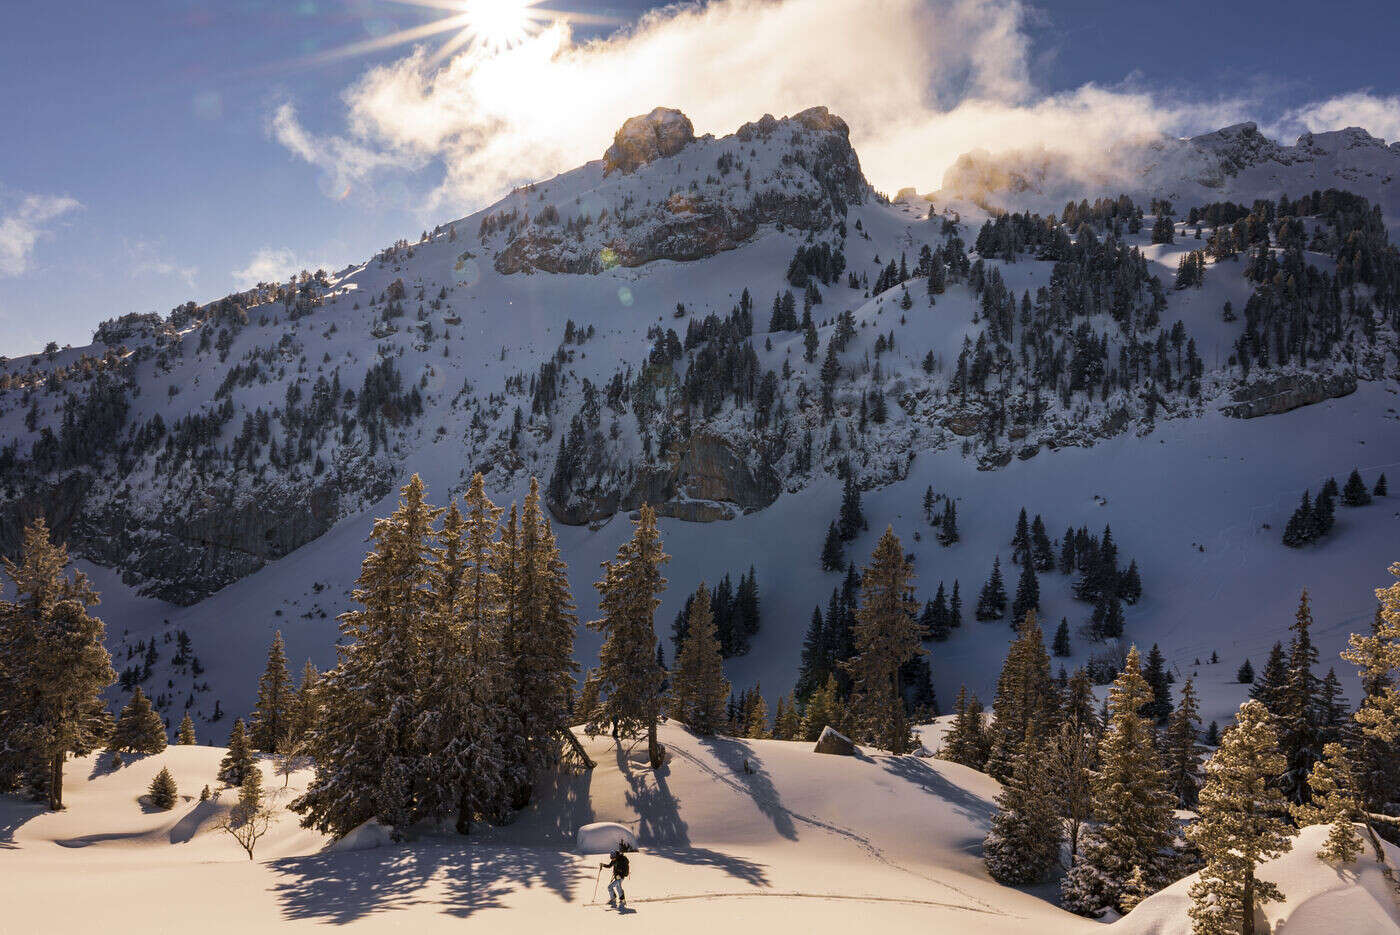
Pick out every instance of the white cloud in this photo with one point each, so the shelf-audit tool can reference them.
(274, 265)
(1378, 114)
(919, 81)
(23, 225)
(147, 258)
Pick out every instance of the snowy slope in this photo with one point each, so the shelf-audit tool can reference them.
(764, 834)
(276, 547)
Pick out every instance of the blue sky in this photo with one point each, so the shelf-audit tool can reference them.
(139, 166)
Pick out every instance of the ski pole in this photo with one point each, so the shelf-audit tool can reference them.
(596, 881)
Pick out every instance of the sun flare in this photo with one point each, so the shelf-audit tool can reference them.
(498, 24)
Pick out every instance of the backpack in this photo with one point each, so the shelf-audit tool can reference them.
(620, 867)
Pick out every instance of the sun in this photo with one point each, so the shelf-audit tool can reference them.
(498, 24)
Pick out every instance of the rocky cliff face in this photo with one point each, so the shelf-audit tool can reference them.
(665, 195)
(1287, 392)
(713, 477)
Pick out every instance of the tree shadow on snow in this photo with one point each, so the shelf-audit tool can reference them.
(914, 770)
(662, 831)
(747, 773)
(458, 879)
(15, 812)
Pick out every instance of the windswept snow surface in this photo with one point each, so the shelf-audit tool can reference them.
(765, 834)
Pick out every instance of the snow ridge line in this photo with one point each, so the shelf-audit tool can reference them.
(857, 838)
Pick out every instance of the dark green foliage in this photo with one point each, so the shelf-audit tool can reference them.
(163, 790)
(991, 602)
(1245, 675)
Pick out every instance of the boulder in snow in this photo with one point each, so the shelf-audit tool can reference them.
(835, 743)
(602, 837)
(661, 133)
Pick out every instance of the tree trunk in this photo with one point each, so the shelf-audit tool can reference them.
(464, 816)
(56, 782)
(655, 752)
(1248, 903)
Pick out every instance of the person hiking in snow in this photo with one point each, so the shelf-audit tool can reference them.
(618, 863)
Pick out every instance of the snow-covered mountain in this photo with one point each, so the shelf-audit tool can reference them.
(1237, 163)
(634, 331)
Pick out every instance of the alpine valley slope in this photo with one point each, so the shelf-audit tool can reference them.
(763, 832)
(219, 469)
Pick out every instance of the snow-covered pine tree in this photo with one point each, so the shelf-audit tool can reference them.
(186, 737)
(1025, 695)
(238, 761)
(698, 687)
(1300, 711)
(272, 715)
(459, 727)
(53, 668)
(1023, 844)
(162, 790)
(539, 650)
(139, 727)
(1182, 750)
(1334, 802)
(1377, 657)
(1073, 752)
(1133, 804)
(886, 637)
(1240, 826)
(629, 594)
(363, 743)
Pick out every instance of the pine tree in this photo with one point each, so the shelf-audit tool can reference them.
(53, 668)
(306, 708)
(1245, 675)
(364, 745)
(186, 736)
(833, 553)
(699, 687)
(1025, 697)
(955, 608)
(1042, 553)
(139, 728)
(991, 602)
(460, 730)
(1073, 753)
(1160, 707)
(1298, 708)
(948, 525)
(1182, 750)
(851, 519)
(787, 720)
(1355, 493)
(163, 790)
(1240, 826)
(1021, 540)
(630, 591)
(966, 740)
(1380, 488)
(539, 642)
(1132, 803)
(824, 709)
(1060, 647)
(273, 713)
(755, 715)
(1377, 657)
(1027, 593)
(1269, 686)
(1336, 802)
(1023, 844)
(238, 761)
(886, 637)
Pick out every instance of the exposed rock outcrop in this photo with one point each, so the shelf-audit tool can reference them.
(1273, 396)
(710, 479)
(661, 133)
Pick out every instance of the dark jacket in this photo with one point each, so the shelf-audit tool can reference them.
(618, 864)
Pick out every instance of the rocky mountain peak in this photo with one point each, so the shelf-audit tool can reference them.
(663, 132)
